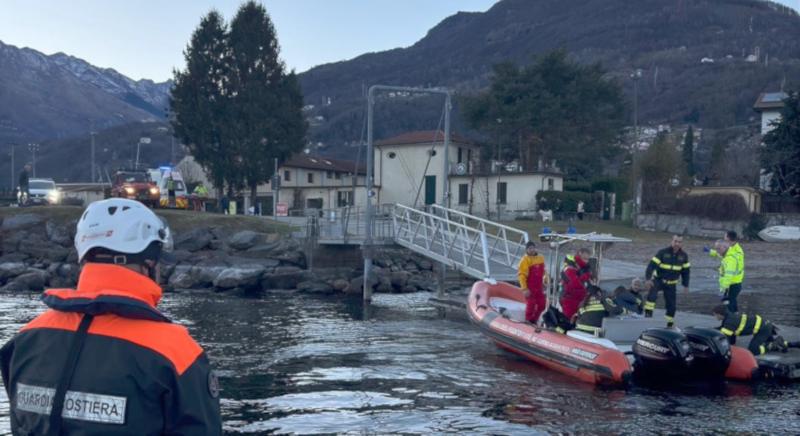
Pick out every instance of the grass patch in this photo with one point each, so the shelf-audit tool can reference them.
(179, 220)
(616, 228)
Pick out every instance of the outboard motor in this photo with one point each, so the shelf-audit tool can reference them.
(662, 354)
(711, 351)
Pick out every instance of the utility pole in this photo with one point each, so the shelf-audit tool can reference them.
(12, 167)
(33, 147)
(367, 246)
(93, 174)
(275, 188)
(636, 75)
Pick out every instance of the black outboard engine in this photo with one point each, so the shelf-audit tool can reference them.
(711, 351)
(662, 354)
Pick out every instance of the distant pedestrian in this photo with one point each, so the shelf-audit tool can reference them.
(224, 203)
(24, 185)
(580, 211)
(200, 194)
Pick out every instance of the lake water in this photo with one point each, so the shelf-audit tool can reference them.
(297, 364)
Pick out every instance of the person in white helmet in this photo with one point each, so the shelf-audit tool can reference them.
(103, 360)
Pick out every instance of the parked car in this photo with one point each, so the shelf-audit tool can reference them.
(41, 191)
(135, 185)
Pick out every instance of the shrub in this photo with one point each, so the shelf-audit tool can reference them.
(756, 224)
(721, 207)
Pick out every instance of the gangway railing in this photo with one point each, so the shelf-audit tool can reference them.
(506, 244)
(465, 247)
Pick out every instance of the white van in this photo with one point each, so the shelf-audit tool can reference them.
(161, 176)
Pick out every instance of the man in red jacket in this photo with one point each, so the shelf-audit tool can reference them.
(103, 360)
(532, 279)
(574, 276)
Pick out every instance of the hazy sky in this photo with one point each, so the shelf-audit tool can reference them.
(146, 38)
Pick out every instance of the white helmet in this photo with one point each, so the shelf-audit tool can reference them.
(120, 226)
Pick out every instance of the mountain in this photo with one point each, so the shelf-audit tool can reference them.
(703, 61)
(59, 96)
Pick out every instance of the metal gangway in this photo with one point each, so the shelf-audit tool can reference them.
(475, 246)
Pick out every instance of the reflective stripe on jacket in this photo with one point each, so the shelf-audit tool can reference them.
(592, 312)
(731, 267)
(134, 371)
(736, 324)
(669, 267)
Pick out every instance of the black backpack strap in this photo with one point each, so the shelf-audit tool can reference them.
(66, 375)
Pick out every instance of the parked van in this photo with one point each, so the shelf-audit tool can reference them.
(161, 176)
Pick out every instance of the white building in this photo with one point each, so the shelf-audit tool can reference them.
(306, 182)
(770, 105)
(409, 169)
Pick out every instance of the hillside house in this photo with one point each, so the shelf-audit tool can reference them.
(769, 104)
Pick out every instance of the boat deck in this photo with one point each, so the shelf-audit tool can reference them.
(624, 331)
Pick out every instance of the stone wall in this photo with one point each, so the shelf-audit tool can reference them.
(38, 253)
(704, 227)
(688, 225)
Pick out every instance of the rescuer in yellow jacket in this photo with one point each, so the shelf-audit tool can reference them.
(731, 269)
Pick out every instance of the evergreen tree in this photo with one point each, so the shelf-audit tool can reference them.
(553, 109)
(781, 152)
(659, 165)
(198, 99)
(267, 121)
(688, 151)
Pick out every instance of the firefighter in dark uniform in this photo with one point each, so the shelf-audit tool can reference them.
(765, 336)
(594, 308)
(668, 267)
(103, 360)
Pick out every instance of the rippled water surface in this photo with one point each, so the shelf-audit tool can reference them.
(297, 364)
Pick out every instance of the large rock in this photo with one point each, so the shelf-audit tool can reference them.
(33, 280)
(194, 240)
(15, 257)
(340, 285)
(425, 264)
(315, 287)
(183, 278)
(243, 240)
(235, 277)
(44, 250)
(9, 270)
(58, 234)
(21, 221)
(284, 280)
(399, 279)
(384, 285)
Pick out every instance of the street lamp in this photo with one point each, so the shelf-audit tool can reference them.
(635, 191)
(142, 140)
(33, 147)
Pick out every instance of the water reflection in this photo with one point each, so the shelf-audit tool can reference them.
(297, 364)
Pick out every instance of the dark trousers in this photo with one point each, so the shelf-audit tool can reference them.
(731, 294)
(669, 297)
(758, 345)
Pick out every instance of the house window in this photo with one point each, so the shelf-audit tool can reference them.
(469, 156)
(463, 193)
(287, 176)
(460, 154)
(501, 192)
(551, 184)
(344, 198)
(329, 174)
(310, 177)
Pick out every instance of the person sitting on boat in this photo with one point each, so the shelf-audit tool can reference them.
(631, 299)
(765, 337)
(596, 306)
(532, 278)
(574, 276)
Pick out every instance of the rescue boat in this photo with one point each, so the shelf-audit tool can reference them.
(498, 311)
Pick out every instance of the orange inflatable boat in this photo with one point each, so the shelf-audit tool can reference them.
(498, 310)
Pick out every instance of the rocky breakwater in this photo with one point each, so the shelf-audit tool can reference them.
(38, 253)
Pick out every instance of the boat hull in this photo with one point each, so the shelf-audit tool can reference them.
(589, 362)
